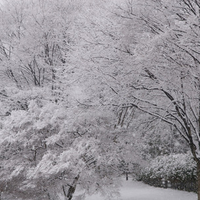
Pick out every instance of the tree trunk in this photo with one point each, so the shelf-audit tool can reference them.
(126, 176)
(198, 180)
(69, 194)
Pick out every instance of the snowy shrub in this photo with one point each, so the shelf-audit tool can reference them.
(177, 171)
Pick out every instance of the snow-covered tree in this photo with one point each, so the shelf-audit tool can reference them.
(59, 127)
(163, 59)
(51, 144)
(37, 37)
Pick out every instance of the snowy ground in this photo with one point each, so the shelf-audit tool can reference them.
(133, 190)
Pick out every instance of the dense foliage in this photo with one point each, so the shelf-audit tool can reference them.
(177, 171)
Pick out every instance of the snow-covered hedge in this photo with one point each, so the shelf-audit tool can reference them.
(175, 171)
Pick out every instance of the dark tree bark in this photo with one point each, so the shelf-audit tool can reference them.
(70, 192)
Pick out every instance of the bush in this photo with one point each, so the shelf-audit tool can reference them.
(174, 171)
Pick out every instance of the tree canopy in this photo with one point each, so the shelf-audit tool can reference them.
(87, 86)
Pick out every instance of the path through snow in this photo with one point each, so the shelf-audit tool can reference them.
(132, 190)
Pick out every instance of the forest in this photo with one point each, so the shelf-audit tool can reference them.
(92, 91)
